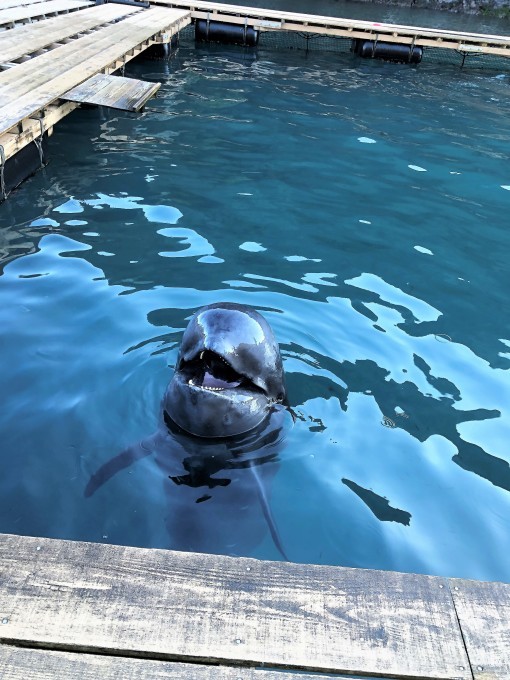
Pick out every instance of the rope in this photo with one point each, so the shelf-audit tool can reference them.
(374, 46)
(411, 51)
(39, 141)
(3, 193)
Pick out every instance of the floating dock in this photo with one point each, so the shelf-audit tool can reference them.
(44, 62)
(56, 54)
(272, 20)
(88, 611)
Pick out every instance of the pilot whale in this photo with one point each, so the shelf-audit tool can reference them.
(229, 372)
(223, 424)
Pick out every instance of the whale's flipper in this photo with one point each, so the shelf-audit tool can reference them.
(118, 463)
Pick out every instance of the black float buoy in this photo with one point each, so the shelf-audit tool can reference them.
(374, 49)
(228, 34)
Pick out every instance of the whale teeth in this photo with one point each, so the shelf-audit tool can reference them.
(205, 387)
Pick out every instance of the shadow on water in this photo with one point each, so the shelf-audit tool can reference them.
(238, 511)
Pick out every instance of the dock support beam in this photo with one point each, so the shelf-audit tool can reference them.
(14, 170)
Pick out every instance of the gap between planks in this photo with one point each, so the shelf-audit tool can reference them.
(235, 611)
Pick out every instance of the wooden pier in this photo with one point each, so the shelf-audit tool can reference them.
(56, 54)
(43, 62)
(274, 20)
(84, 610)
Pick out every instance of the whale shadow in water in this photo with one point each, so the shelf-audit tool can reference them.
(216, 490)
(228, 382)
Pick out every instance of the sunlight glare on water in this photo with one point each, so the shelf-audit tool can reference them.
(363, 209)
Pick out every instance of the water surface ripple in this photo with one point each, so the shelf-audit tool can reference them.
(362, 207)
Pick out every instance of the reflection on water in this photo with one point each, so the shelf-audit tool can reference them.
(251, 181)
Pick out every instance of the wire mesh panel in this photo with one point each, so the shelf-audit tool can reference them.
(297, 40)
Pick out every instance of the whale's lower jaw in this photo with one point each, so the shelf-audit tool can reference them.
(206, 412)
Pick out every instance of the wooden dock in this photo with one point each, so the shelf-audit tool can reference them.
(55, 54)
(274, 20)
(13, 13)
(83, 610)
(43, 62)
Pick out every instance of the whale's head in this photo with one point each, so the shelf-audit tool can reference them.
(228, 375)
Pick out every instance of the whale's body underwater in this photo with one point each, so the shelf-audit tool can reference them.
(223, 425)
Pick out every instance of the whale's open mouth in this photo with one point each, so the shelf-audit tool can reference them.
(210, 371)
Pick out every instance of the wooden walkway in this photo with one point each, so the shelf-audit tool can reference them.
(51, 47)
(29, 87)
(273, 20)
(13, 15)
(82, 610)
(41, 61)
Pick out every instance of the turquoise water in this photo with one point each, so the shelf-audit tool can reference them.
(363, 208)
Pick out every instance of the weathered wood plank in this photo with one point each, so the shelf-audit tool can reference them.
(44, 68)
(4, 4)
(39, 9)
(42, 80)
(373, 32)
(128, 94)
(483, 610)
(12, 143)
(29, 38)
(317, 20)
(17, 663)
(208, 608)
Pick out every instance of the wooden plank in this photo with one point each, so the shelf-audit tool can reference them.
(29, 38)
(296, 17)
(43, 79)
(39, 9)
(368, 34)
(483, 610)
(4, 4)
(293, 21)
(12, 143)
(19, 664)
(235, 611)
(45, 67)
(127, 94)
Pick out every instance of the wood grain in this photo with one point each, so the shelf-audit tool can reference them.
(483, 610)
(206, 608)
(29, 38)
(32, 85)
(127, 94)
(39, 9)
(19, 664)
(32, 128)
(4, 4)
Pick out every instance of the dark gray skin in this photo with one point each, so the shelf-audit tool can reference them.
(216, 462)
(229, 372)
